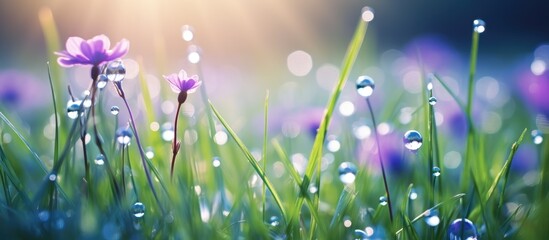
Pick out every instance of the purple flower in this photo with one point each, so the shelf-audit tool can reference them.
(182, 84)
(93, 51)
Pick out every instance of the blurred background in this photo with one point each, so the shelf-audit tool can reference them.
(294, 49)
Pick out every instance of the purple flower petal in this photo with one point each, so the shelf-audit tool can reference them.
(94, 51)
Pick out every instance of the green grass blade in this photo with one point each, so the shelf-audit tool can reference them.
(35, 156)
(252, 162)
(347, 196)
(264, 152)
(420, 216)
(56, 115)
(316, 152)
(51, 36)
(505, 169)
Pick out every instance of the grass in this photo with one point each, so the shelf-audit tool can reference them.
(231, 191)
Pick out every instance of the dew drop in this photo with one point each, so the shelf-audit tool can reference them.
(52, 177)
(383, 201)
(365, 86)
(44, 215)
(537, 137)
(360, 235)
(99, 160)
(115, 110)
(432, 101)
(367, 14)
(436, 171)
(431, 218)
(102, 80)
(274, 221)
(412, 140)
(216, 162)
(462, 228)
(73, 107)
(413, 194)
(124, 136)
(138, 210)
(430, 86)
(479, 26)
(347, 172)
(87, 101)
(116, 71)
(187, 33)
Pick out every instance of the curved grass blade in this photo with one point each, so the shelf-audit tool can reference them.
(252, 162)
(32, 151)
(420, 216)
(316, 152)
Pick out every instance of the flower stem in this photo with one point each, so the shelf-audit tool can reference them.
(381, 160)
(175, 146)
(139, 146)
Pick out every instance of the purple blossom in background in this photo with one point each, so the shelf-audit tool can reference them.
(391, 152)
(21, 90)
(92, 52)
(182, 83)
(433, 54)
(534, 90)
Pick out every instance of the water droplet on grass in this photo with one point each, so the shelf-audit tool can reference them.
(383, 201)
(413, 194)
(116, 71)
(52, 177)
(432, 101)
(412, 140)
(102, 81)
(115, 110)
(367, 14)
(100, 159)
(479, 26)
(347, 172)
(138, 210)
(274, 221)
(124, 136)
(436, 171)
(461, 229)
(73, 107)
(365, 86)
(360, 235)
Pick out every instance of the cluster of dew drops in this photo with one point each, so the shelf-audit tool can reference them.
(460, 228)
